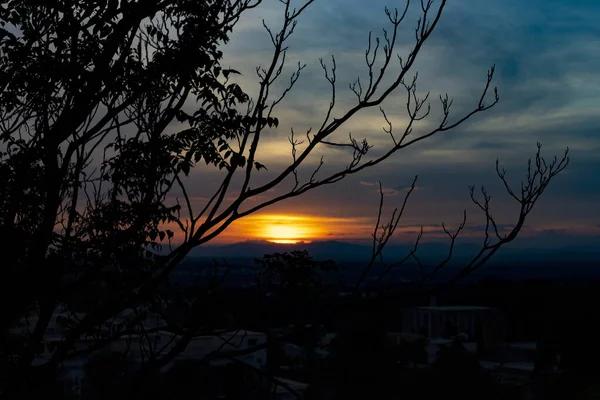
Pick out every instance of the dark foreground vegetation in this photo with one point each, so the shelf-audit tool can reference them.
(559, 316)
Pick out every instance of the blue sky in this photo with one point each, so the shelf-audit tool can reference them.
(547, 57)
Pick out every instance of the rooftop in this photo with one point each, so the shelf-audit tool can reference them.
(520, 366)
(454, 308)
(441, 341)
(295, 385)
(524, 345)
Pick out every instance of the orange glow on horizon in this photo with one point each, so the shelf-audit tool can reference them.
(287, 229)
(288, 241)
(290, 228)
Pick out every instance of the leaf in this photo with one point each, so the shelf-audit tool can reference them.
(181, 116)
(259, 166)
(185, 168)
(161, 235)
(226, 72)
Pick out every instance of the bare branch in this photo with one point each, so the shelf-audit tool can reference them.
(380, 241)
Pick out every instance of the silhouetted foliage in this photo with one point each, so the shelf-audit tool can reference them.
(361, 365)
(457, 373)
(295, 274)
(107, 374)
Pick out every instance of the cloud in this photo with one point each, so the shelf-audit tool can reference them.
(480, 228)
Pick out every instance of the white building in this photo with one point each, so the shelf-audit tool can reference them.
(510, 373)
(225, 342)
(142, 347)
(284, 393)
(438, 321)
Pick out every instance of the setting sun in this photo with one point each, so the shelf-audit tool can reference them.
(280, 233)
(293, 228)
(288, 229)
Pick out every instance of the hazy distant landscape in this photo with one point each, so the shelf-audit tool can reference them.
(568, 262)
(346, 251)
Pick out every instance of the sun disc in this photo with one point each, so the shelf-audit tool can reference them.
(285, 234)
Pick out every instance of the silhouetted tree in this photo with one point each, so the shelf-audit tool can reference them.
(362, 363)
(105, 375)
(296, 281)
(96, 136)
(457, 373)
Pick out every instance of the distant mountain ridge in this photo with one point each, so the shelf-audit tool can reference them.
(576, 262)
(346, 251)
(252, 249)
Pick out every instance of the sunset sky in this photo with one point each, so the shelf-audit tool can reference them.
(547, 55)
